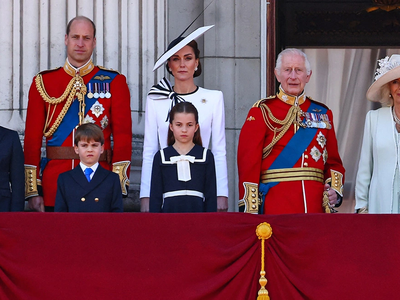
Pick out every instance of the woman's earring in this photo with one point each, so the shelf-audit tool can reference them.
(390, 95)
(169, 69)
(195, 69)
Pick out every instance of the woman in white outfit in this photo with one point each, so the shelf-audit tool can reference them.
(378, 177)
(183, 63)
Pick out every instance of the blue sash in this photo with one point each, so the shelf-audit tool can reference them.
(292, 151)
(71, 118)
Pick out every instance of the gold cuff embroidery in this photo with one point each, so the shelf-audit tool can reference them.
(121, 168)
(251, 200)
(31, 181)
(336, 182)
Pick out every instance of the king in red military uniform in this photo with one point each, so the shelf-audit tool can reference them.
(61, 99)
(288, 158)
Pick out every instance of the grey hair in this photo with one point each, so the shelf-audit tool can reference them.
(278, 64)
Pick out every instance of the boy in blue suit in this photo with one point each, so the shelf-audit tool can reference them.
(88, 187)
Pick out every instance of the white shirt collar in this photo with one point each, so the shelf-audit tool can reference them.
(94, 168)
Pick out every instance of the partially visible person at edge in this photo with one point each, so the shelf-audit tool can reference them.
(183, 174)
(12, 176)
(287, 148)
(184, 64)
(88, 187)
(378, 176)
(59, 100)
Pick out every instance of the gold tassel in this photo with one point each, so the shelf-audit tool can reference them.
(263, 231)
(325, 202)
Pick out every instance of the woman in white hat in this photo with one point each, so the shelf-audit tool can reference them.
(378, 176)
(182, 61)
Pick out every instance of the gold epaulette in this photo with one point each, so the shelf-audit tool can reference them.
(47, 71)
(106, 69)
(320, 103)
(259, 102)
(121, 168)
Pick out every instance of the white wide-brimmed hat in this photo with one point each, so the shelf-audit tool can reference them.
(388, 70)
(167, 54)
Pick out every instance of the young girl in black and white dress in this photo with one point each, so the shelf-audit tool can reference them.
(183, 176)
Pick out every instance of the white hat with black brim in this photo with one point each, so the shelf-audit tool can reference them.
(194, 35)
(389, 70)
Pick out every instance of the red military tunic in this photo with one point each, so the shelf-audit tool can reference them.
(298, 189)
(111, 113)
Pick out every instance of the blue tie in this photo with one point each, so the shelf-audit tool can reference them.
(87, 172)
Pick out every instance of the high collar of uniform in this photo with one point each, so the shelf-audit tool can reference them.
(82, 71)
(290, 99)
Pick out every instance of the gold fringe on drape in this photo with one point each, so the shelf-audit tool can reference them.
(264, 232)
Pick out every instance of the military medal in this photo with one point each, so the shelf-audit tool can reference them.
(90, 94)
(315, 153)
(102, 95)
(325, 155)
(96, 94)
(108, 94)
(88, 119)
(315, 120)
(321, 139)
(97, 109)
(104, 122)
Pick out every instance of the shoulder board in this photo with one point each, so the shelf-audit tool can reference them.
(259, 102)
(106, 69)
(48, 71)
(319, 103)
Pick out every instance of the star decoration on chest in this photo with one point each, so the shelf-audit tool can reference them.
(97, 109)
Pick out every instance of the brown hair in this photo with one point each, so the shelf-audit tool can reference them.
(193, 45)
(80, 18)
(88, 132)
(187, 108)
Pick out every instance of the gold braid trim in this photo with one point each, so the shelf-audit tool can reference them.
(75, 88)
(108, 69)
(292, 117)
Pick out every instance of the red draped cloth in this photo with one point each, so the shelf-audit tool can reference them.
(197, 256)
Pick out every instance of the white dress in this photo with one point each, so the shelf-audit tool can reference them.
(210, 106)
(377, 184)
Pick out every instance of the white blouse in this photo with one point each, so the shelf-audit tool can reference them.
(210, 106)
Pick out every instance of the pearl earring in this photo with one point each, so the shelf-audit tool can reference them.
(169, 69)
(390, 95)
(195, 69)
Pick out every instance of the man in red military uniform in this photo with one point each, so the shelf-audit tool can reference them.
(60, 100)
(288, 158)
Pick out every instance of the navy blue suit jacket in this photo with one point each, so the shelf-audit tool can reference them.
(76, 194)
(11, 171)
